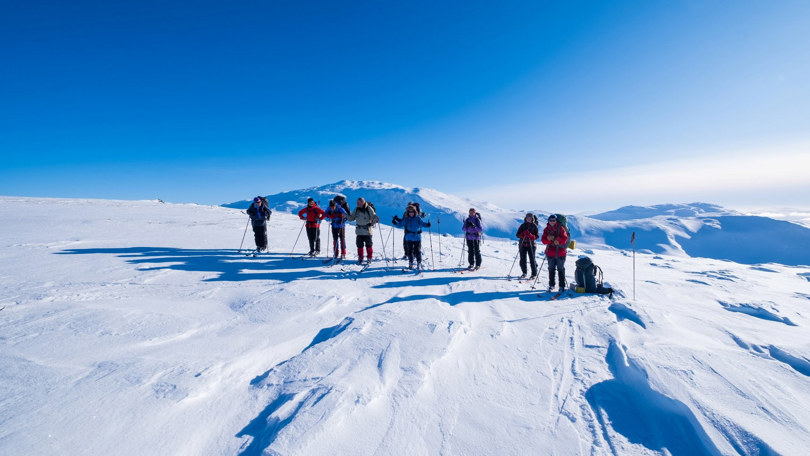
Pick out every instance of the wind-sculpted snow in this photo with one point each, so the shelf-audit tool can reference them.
(643, 415)
(625, 313)
(135, 326)
(756, 311)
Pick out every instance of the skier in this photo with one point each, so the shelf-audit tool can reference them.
(337, 218)
(528, 233)
(314, 215)
(259, 214)
(419, 214)
(556, 240)
(413, 234)
(365, 217)
(473, 229)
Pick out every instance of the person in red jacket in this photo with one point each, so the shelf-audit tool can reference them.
(556, 240)
(313, 215)
(528, 233)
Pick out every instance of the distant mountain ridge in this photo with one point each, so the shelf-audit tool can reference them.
(390, 200)
(695, 229)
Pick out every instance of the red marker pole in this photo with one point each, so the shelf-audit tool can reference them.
(633, 243)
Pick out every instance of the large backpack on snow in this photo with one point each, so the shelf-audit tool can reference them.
(590, 278)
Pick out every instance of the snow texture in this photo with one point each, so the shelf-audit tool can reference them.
(135, 328)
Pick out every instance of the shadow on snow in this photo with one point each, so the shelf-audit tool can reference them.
(231, 265)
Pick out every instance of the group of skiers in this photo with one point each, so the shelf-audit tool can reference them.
(554, 236)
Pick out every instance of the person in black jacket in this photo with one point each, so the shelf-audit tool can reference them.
(259, 214)
(528, 233)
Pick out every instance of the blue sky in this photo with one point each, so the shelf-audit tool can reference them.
(525, 104)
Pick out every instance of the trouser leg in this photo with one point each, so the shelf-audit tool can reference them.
(522, 263)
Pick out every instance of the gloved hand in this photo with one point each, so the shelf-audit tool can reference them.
(395, 219)
(427, 224)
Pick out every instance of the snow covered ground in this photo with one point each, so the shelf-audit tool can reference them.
(134, 328)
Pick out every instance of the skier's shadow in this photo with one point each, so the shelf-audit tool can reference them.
(231, 265)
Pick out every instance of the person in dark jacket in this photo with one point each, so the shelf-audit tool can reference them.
(473, 230)
(556, 240)
(528, 233)
(337, 218)
(413, 234)
(259, 215)
(313, 215)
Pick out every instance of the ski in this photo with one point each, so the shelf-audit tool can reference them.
(335, 262)
(466, 270)
(553, 297)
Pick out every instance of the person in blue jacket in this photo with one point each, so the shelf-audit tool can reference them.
(413, 235)
(337, 218)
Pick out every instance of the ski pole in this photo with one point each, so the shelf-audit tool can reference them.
(509, 276)
(243, 235)
(385, 256)
(432, 258)
(393, 255)
(325, 251)
(463, 248)
(439, 228)
(538, 272)
(299, 236)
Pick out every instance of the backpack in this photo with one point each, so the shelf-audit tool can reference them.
(340, 200)
(376, 217)
(590, 278)
(563, 222)
(418, 209)
(264, 201)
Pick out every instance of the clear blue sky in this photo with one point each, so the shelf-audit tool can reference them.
(212, 102)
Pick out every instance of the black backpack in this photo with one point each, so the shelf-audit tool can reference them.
(376, 217)
(418, 209)
(340, 200)
(590, 277)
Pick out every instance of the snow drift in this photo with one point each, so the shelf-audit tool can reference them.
(137, 328)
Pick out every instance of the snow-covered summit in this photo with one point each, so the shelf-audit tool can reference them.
(669, 210)
(695, 229)
(390, 199)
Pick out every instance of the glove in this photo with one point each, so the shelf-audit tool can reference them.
(395, 219)
(427, 224)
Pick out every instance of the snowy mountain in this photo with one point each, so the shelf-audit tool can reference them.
(696, 229)
(390, 200)
(700, 230)
(135, 328)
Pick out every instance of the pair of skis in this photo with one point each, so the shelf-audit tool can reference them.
(466, 270)
(554, 296)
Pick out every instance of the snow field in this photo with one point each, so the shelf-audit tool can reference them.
(136, 328)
